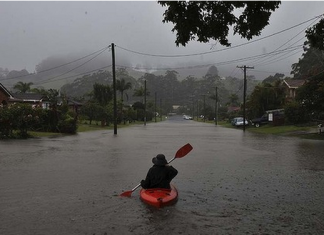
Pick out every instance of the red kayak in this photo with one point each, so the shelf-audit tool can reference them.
(159, 197)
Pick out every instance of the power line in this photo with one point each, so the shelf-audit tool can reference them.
(44, 81)
(77, 75)
(220, 63)
(303, 30)
(224, 49)
(277, 59)
(59, 66)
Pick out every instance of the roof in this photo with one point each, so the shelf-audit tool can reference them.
(294, 83)
(233, 109)
(73, 102)
(28, 96)
(5, 91)
(69, 101)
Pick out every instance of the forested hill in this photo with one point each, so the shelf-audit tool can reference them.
(181, 86)
(167, 87)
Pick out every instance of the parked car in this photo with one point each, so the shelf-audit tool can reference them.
(239, 122)
(257, 122)
(235, 119)
(187, 117)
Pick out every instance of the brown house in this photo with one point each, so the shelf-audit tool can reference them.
(291, 87)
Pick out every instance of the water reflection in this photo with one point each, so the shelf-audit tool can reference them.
(233, 182)
(310, 155)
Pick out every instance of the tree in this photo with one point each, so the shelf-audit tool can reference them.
(53, 95)
(210, 20)
(310, 64)
(233, 100)
(121, 86)
(23, 87)
(140, 92)
(271, 79)
(265, 97)
(102, 94)
(212, 71)
(310, 97)
(84, 85)
(171, 85)
(41, 91)
(315, 35)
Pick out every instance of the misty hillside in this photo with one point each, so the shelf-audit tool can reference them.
(75, 76)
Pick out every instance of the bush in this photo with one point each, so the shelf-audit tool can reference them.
(17, 119)
(69, 125)
(295, 113)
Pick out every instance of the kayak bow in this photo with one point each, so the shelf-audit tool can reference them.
(159, 197)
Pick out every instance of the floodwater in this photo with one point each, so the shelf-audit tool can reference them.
(232, 182)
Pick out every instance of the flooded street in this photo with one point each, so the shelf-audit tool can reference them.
(230, 183)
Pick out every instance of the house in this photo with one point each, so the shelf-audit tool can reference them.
(5, 95)
(72, 104)
(291, 85)
(34, 99)
(233, 109)
(30, 98)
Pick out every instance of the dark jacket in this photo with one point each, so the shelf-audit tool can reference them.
(159, 177)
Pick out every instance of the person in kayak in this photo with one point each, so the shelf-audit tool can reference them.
(160, 174)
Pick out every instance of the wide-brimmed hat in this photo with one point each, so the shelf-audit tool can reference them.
(159, 160)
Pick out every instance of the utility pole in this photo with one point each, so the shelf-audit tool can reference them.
(114, 87)
(244, 91)
(197, 110)
(155, 108)
(161, 109)
(216, 108)
(193, 108)
(144, 102)
(204, 108)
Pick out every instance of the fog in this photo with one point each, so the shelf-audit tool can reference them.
(34, 31)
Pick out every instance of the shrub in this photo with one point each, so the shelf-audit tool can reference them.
(295, 113)
(17, 119)
(68, 125)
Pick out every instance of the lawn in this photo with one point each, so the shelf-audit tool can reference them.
(83, 127)
(306, 132)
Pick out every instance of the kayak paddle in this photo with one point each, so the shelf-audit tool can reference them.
(183, 151)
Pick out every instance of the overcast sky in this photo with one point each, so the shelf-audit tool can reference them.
(32, 31)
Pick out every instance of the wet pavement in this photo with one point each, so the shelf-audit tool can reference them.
(232, 182)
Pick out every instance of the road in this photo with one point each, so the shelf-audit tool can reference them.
(232, 182)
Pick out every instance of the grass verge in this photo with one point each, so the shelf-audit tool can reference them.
(305, 132)
(84, 127)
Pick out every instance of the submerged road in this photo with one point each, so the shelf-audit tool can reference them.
(232, 182)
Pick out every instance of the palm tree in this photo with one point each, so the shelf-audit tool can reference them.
(122, 86)
(23, 87)
(140, 92)
(41, 91)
